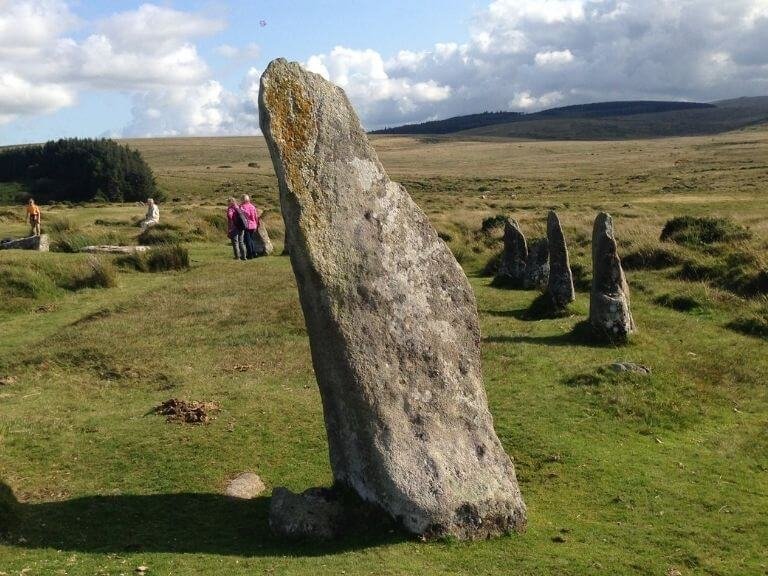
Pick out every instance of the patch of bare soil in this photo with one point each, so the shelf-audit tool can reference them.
(187, 411)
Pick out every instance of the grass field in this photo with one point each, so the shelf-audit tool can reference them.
(622, 474)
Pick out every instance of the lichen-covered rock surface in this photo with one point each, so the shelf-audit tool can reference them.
(609, 311)
(392, 323)
(560, 284)
(514, 257)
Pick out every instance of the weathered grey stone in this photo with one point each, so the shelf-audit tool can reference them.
(609, 311)
(246, 485)
(560, 285)
(314, 515)
(110, 249)
(513, 258)
(261, 240)
(537, 266)
(39, 243)
(392, 323)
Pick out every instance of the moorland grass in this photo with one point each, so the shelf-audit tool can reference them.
(621, 474)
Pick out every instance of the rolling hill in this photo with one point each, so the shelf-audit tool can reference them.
(605, 121)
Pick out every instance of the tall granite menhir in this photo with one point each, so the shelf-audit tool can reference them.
(392, 323)
(609, 311)
(514, 257)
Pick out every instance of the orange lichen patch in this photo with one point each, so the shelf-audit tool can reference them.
(291, 122)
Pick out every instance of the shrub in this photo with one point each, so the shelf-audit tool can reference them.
(159, 259)
(61, 224)
(743, 273)
(650, 258)
(754, 324)
(97, 273)
(161, 234)
(707, 230)
(492, 223)
(679, 302)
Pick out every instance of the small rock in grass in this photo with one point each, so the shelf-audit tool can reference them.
(630, 367)
(7, 380)
(246, 486)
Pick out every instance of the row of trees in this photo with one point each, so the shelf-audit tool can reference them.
(79, 169)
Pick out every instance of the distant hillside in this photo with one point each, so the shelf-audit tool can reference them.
(614, 120)
(455, 124)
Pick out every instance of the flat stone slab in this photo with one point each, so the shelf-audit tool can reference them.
(39, 243)
(246, 486)
(109, 249)
(314, 514)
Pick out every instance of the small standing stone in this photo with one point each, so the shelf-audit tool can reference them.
(513, 258)
(261, 240)
(609, 311)
(537, 266)
(560, 285)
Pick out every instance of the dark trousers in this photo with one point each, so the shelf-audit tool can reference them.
(238, 247)
(250, 245)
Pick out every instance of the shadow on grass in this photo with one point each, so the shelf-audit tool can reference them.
(541, 308)
(180, 523)
(581, 335)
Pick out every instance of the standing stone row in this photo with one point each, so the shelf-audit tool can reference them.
(544, 266)
(547, 264)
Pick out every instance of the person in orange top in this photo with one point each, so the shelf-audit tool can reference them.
(33, 216)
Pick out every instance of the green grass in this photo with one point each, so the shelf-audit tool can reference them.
(622, 474)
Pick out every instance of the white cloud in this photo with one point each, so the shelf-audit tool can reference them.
(152, 28)
(19, 97)
(553, 58)
(250, 51)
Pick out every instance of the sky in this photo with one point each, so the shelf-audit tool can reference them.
(123, 68)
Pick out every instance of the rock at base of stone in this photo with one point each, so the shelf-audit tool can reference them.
(261, 240)
(560, 285)
(109, 249)
(245, 486)
(315, 514)
(39, 243)
(537, 266)
(514, 257)
(609, 312)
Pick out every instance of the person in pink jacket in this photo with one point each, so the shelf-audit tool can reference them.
(236, 230)
(252, 215)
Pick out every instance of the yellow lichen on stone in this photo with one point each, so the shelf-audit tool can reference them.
(291, 123)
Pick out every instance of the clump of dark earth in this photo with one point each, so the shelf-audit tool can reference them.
(187, 411)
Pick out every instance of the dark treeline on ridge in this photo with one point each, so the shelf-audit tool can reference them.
(78, 170)
(579, 111)
(455, 124)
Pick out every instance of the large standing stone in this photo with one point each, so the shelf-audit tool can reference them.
(609, 311)
(261, 240)
(392, 323)
(40, 243)
(560, 285)
(513, 258)
(537, 266)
